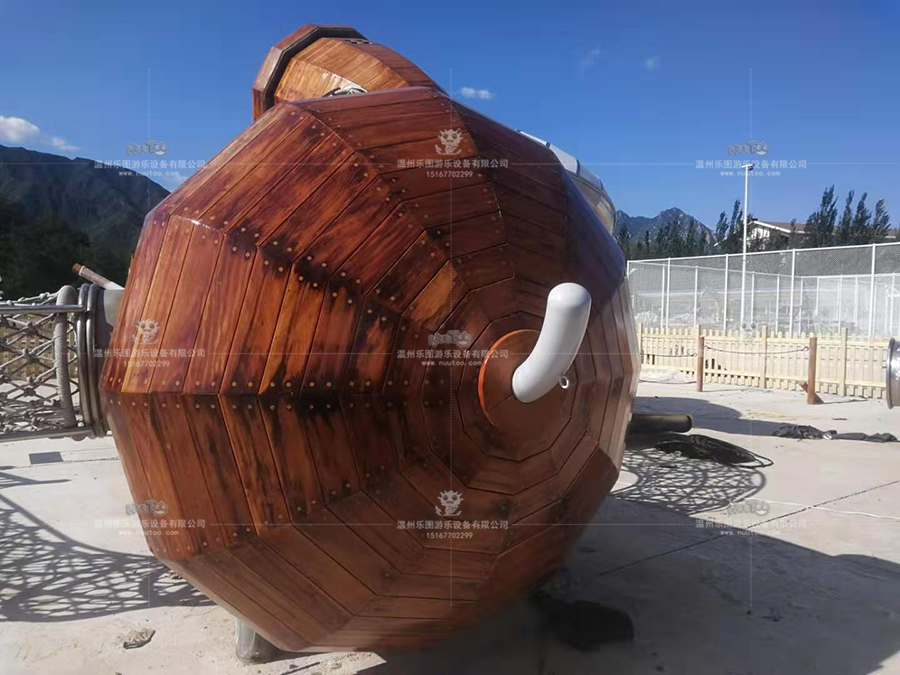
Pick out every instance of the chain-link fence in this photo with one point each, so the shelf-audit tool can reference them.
(813, 291)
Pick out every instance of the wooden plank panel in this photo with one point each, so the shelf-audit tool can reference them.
(180, 329)
(171, 426)
(406, 155)
(255, 461)
(411, 183)
(372, 99)
(222, 581)
(484, 267)
(221, 313)
(242, 162)
(295, 223)
(348, 230)
(420, 608)
(374, 526)
(274, 202)
(129, 451)
(386, 244)
(293, 336)
(256, 325)
(303, 139)
(404, 130)
(311, 608)
(220, 469)
(169, 543)
(330, 351)
(265, 581)
(534, 238)
(320, 568)
(346, 119)
(159, 303)
(530, 210)
(367, 425)
(537, 268)
(327, 434)
(470, 235)
(371, 349)
(143, 268)
(454, 205)
(292, 454)
(410, 274)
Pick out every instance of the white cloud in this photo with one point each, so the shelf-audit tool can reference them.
(63, 145)
(19, 130)
(652, 62)
(173, 179)
(590, 59)
(471, 92)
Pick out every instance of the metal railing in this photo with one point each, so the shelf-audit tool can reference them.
(48, 370)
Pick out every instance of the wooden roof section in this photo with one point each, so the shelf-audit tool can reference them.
(315, 60)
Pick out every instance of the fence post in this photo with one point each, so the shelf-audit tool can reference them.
(701, 348)
(668, 288)
(696, 277)
(725, 296)
(640, 340)
(872, 294)
(662, 298)
(793, 267)
(811, 376)
(842, 373)
(752, 297)
(890, 329)
(777, 299)
(765, 355)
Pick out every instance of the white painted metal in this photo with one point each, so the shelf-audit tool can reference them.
(568, 310)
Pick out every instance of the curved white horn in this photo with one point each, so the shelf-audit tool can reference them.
(568, 310)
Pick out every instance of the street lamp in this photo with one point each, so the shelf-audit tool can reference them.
(747, 169)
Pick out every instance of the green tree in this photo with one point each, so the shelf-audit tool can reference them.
(37, 255)
(861, 227)
(881, 223)
(844, 234)
(820, 224)
(624, 240)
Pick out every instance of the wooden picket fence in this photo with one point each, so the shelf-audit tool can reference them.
(844, 366)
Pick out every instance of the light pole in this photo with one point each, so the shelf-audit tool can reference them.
(747, 169)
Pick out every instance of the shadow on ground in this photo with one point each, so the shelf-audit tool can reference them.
(734, 600)
(709, 416)
(46, 576)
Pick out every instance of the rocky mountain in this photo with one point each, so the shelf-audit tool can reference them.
(637, 225)
(47, 200)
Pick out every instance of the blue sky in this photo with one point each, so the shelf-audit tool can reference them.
(639, 92)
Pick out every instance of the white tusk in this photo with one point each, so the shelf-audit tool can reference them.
(568, 310)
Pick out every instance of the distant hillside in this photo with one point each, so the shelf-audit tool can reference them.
(637, 225)
(47, 199)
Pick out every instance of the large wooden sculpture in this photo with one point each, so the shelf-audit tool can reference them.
(330, 477)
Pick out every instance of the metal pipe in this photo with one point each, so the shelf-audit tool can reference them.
(568, 311)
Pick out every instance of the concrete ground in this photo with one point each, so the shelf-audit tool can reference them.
(810, 586)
